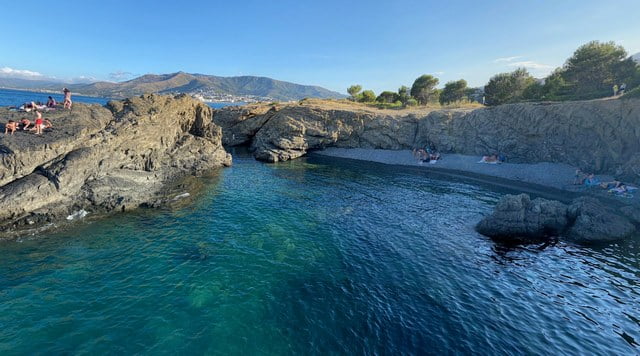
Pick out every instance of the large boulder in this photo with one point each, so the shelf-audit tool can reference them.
(518, 218)
(593, 222)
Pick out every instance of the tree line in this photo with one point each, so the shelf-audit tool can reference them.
(593, 71)
(422, 92)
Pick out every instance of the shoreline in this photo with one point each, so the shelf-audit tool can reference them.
(549, 180)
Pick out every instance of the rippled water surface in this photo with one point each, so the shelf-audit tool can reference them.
(9, 97)
(314, 256)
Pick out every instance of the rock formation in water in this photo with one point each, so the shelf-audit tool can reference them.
(601, 136)
(517, 218)
(104, 158)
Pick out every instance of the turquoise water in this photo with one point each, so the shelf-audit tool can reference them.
(314, 256)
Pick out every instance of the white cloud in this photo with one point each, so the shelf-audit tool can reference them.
(7, 72)
(438, 73)
(506, 59)
(83, 80)
(530, 65)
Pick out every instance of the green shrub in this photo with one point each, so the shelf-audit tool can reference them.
(368, 96)
(632, 94)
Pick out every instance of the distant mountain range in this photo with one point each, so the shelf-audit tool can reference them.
(636, 57)
(180, 82)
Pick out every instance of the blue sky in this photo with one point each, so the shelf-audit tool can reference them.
(378, 44)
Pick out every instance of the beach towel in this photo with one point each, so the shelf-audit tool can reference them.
(621, 192)
(591, 182)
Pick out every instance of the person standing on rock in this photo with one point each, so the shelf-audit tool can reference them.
(615, 89)
(39, 123)
(67, 98)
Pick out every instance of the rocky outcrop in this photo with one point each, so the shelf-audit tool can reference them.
(602, 136)
(109, 158)
(517, 218)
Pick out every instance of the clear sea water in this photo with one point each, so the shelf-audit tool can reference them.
(314, 256)
(9, 97)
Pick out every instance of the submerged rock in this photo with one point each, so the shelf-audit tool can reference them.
(109, 158)
(517, 218)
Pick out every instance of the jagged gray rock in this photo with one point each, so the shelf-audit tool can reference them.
(600, 136)
(517, 218)
(109, 158)
(593, 222)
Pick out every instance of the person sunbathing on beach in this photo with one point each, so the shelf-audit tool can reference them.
(10, 127)
(25, 123)
(591, 180)
(621, 189)
(421, 155)
(610, 185)
(27, 107)
(492, 159)
(67, 98)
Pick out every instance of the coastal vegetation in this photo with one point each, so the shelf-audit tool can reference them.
(595, 70)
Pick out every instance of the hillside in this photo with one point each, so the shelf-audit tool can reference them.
(206, 85)
(17, 83)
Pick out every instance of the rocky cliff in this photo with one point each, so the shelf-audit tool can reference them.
(104, 158)
(602, 136)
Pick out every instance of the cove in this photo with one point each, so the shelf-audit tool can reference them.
(314, 256)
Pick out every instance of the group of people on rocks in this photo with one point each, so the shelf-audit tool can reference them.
(39, 124)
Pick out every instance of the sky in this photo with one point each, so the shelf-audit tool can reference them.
(380, 45)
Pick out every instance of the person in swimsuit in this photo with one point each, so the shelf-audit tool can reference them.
(67, 98)
(10, 127)
(25, 123)
(39, 125)
(51, 103)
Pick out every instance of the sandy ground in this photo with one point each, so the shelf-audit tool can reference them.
(553, 175)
